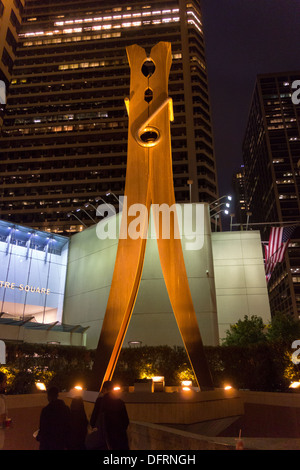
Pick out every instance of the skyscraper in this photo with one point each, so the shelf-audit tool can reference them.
(240, 203)
(271, 155)
(11, 12)
(10, 22)
(64, 136)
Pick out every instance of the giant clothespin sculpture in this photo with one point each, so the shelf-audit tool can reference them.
(149, 179)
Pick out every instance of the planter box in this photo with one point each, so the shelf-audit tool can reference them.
(144, 387)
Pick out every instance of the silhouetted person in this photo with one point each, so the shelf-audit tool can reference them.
(114, 418)
(79, 424)
(54, 429)
(3, 409)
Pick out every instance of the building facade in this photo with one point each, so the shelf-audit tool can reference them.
(33, 272)
(271, 153)
(225, 272)
(11, 12)
(55, 288)
(240, 207)
(64, 136)
(33, 267)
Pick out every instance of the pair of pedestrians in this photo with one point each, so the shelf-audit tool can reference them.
(3, 409)
(62, 427)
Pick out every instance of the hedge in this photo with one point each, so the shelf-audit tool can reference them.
(265, 367)
(63, 366)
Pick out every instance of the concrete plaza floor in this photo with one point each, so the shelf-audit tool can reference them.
(270, 421)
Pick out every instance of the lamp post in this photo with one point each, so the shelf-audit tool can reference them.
(219, 205)
(231, 218)
(74, 215)
(97, 199)
(220, 198)
(216, 216)
(100, 211)
(190, 182)
(113, 194)
(80, 209)
(248, 216)
(86, 205)
(215, 203)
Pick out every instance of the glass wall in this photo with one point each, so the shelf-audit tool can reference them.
(32, 273)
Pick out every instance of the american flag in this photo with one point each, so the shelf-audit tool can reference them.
(275, 250)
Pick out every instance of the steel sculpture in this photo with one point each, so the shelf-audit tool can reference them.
(149, 180)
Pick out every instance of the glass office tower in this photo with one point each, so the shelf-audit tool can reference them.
(240, 203)
(64, 136)
(11, 12)
(272, 176)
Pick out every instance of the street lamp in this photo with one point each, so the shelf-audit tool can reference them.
(97, 199)
(220, 198)
(219, 205)
(89, 204)
(216, 213)
(74, 215)
(80, 209)
(248, 216)
(216, 216)
(113, 194)
(231, 219)
(190, 182)
(100, 211)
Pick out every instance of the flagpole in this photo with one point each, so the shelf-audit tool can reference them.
(286, 224)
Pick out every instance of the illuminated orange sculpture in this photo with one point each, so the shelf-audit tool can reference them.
(149, 179)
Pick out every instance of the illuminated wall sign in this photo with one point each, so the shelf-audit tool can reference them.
(33, 266)
(26, 288)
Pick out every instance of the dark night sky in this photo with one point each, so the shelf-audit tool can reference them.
(244, 38)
